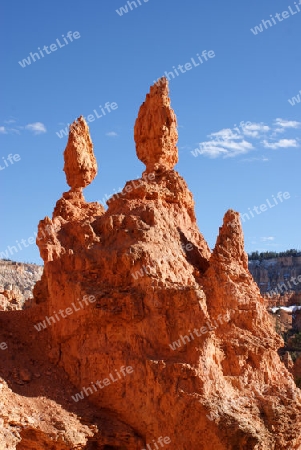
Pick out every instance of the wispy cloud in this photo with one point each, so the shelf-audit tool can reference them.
(287, 123)
(213, 151)
(224, 135)
(238, 141)
(267, 239)
(227, 149)
(111, 134)
(237, 148)
(282, 143)
(36, 127)
(225, 143)
(254, 130)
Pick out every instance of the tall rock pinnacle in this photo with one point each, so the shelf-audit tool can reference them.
(80, 163)
(155, 130)
(230, 241)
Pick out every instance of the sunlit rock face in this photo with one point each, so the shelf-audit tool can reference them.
(155, 131)
(80, 163)
(192, 325)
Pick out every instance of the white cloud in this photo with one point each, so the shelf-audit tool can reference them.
(236, 148)
(287, 124)
(210, 151)
(254, 129)
(282, 143)
(238, 140)
(111, 134)
(36, 127)
(231, 142)
(277, 130)
(226, 145)
(224, 135)
(268, 238)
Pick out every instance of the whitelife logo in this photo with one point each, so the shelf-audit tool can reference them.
(264, 207)
(68, 311)
(31, 240)
(285, 15)
(161, 440)
(203, 330)
(90, 118)
(183, 68)
(130, 185)
(53, 48)
(11, 158)
(294, 100)
(124, 9)
(3, 346)
(106, 382)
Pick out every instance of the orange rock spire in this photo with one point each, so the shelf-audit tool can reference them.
(155, 130)
(80, 163)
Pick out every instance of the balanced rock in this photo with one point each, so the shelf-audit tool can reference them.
(80, 163)
(155, 130)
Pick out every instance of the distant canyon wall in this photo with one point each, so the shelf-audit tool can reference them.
(277, 275)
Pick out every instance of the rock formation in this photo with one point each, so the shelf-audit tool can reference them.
(279, 275)
(154, 331)
(155, 130)
(80, 163)
(16, 283)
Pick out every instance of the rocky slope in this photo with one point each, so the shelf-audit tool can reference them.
(165, 343)
(16, 284)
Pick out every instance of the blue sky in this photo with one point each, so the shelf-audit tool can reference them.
(115, 58)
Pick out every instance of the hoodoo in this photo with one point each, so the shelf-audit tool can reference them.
(80, 163)
(155, 130)
(223, 388)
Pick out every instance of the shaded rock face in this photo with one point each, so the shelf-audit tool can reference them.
(297, 321)
(192, 325)
(36, 407)
(296, 370)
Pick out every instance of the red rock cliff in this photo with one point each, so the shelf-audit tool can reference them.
(193, 327)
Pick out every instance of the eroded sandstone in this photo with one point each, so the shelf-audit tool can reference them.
(155, 130)
(80, 163)
(191, 323)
